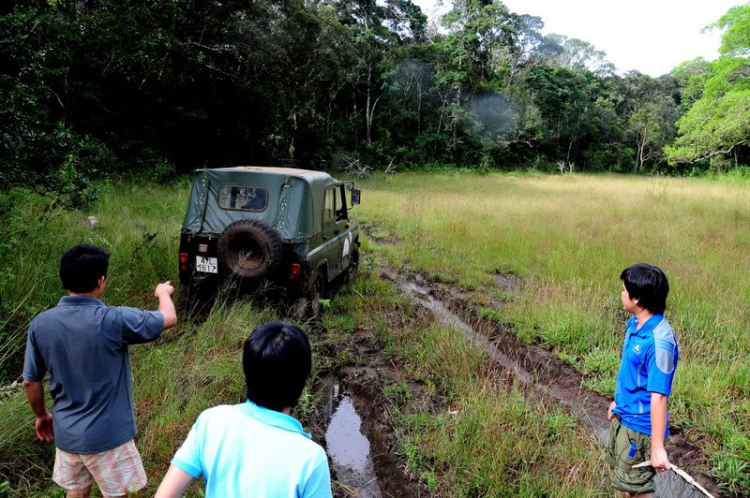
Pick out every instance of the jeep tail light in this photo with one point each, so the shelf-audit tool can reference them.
(294, 274)
(183, 260)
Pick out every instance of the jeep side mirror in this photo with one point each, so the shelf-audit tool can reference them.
(355, 196)
(349, 186)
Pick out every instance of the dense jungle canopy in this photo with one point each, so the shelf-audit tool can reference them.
(158, 86)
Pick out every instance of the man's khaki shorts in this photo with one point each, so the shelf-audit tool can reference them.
(627, 448)
(116, 471)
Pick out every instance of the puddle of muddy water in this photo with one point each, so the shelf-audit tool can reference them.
(668, 484)
(350, 450)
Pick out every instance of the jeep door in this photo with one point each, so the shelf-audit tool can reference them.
(332, 234)
(342, 227)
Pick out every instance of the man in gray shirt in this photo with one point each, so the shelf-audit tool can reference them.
(83, 344)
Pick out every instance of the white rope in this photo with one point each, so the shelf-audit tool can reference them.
(687, 477)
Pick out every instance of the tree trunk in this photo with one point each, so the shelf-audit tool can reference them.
(368, 115)
(454, 122)
(419, 106)
(354, 117)
(293, 141)
(514, 61)
(642, 150)
(570, 147)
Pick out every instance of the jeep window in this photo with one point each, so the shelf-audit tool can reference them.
(243, 198)
(340, 209)
(328, 212)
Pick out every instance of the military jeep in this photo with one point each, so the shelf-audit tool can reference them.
(283, 230)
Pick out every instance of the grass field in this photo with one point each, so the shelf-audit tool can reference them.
(567, 238)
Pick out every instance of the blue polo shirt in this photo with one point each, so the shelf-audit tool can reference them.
(246, 450)
(649, 360)
(83, 344)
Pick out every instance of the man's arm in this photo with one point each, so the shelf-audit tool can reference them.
(35, 395)
(164, 293)
(659, 459)
(139, 326)
(174, 484)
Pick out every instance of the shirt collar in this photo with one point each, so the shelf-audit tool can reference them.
(647, 327)
(273, 418)
(79, 301)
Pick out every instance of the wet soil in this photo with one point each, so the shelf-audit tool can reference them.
(532, 365)
(380, 237)
(350, 450)
(355, 426)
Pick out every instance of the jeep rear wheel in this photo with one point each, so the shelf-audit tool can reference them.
(249, 249)
(308, 305)
(316, 294)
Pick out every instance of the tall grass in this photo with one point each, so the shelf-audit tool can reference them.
(469, 432)
(569, 238)
(138, 224)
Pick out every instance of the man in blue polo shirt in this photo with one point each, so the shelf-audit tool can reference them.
(83, 344)
(640, 422)
(256, 449)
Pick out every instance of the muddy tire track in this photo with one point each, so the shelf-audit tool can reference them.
(533, 365)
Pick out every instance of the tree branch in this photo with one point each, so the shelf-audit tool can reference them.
(716, 153)
(11, 40)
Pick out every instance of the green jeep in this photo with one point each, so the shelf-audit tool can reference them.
(283, 230)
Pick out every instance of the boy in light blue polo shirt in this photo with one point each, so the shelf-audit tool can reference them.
(640, 422)
(256, 449)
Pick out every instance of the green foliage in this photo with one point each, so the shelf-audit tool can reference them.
(718, 121)
(735, 42)
(5, 490)
(129, 87)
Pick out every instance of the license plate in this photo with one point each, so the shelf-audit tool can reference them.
(206, 265)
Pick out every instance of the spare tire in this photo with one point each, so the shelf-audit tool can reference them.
(249, 249)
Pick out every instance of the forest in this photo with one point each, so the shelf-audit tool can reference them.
(160, 87)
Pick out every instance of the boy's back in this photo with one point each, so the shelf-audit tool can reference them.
(246, 450)
(257, 448)
(83, 344)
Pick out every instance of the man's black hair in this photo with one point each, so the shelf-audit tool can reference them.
(277, 360)
(82, 267)
(648, 284)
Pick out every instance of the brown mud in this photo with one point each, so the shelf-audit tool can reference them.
(355, 425)
(533, 365)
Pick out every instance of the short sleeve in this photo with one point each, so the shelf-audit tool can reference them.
(318, 484)
(188, 457)
(661, 362)
(34, 367)
(139, 326)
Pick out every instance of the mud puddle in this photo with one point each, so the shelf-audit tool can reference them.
(348, 446)
(541, 371)
(350, 451)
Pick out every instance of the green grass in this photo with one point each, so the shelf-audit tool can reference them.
(468, 432)
(569, 238)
